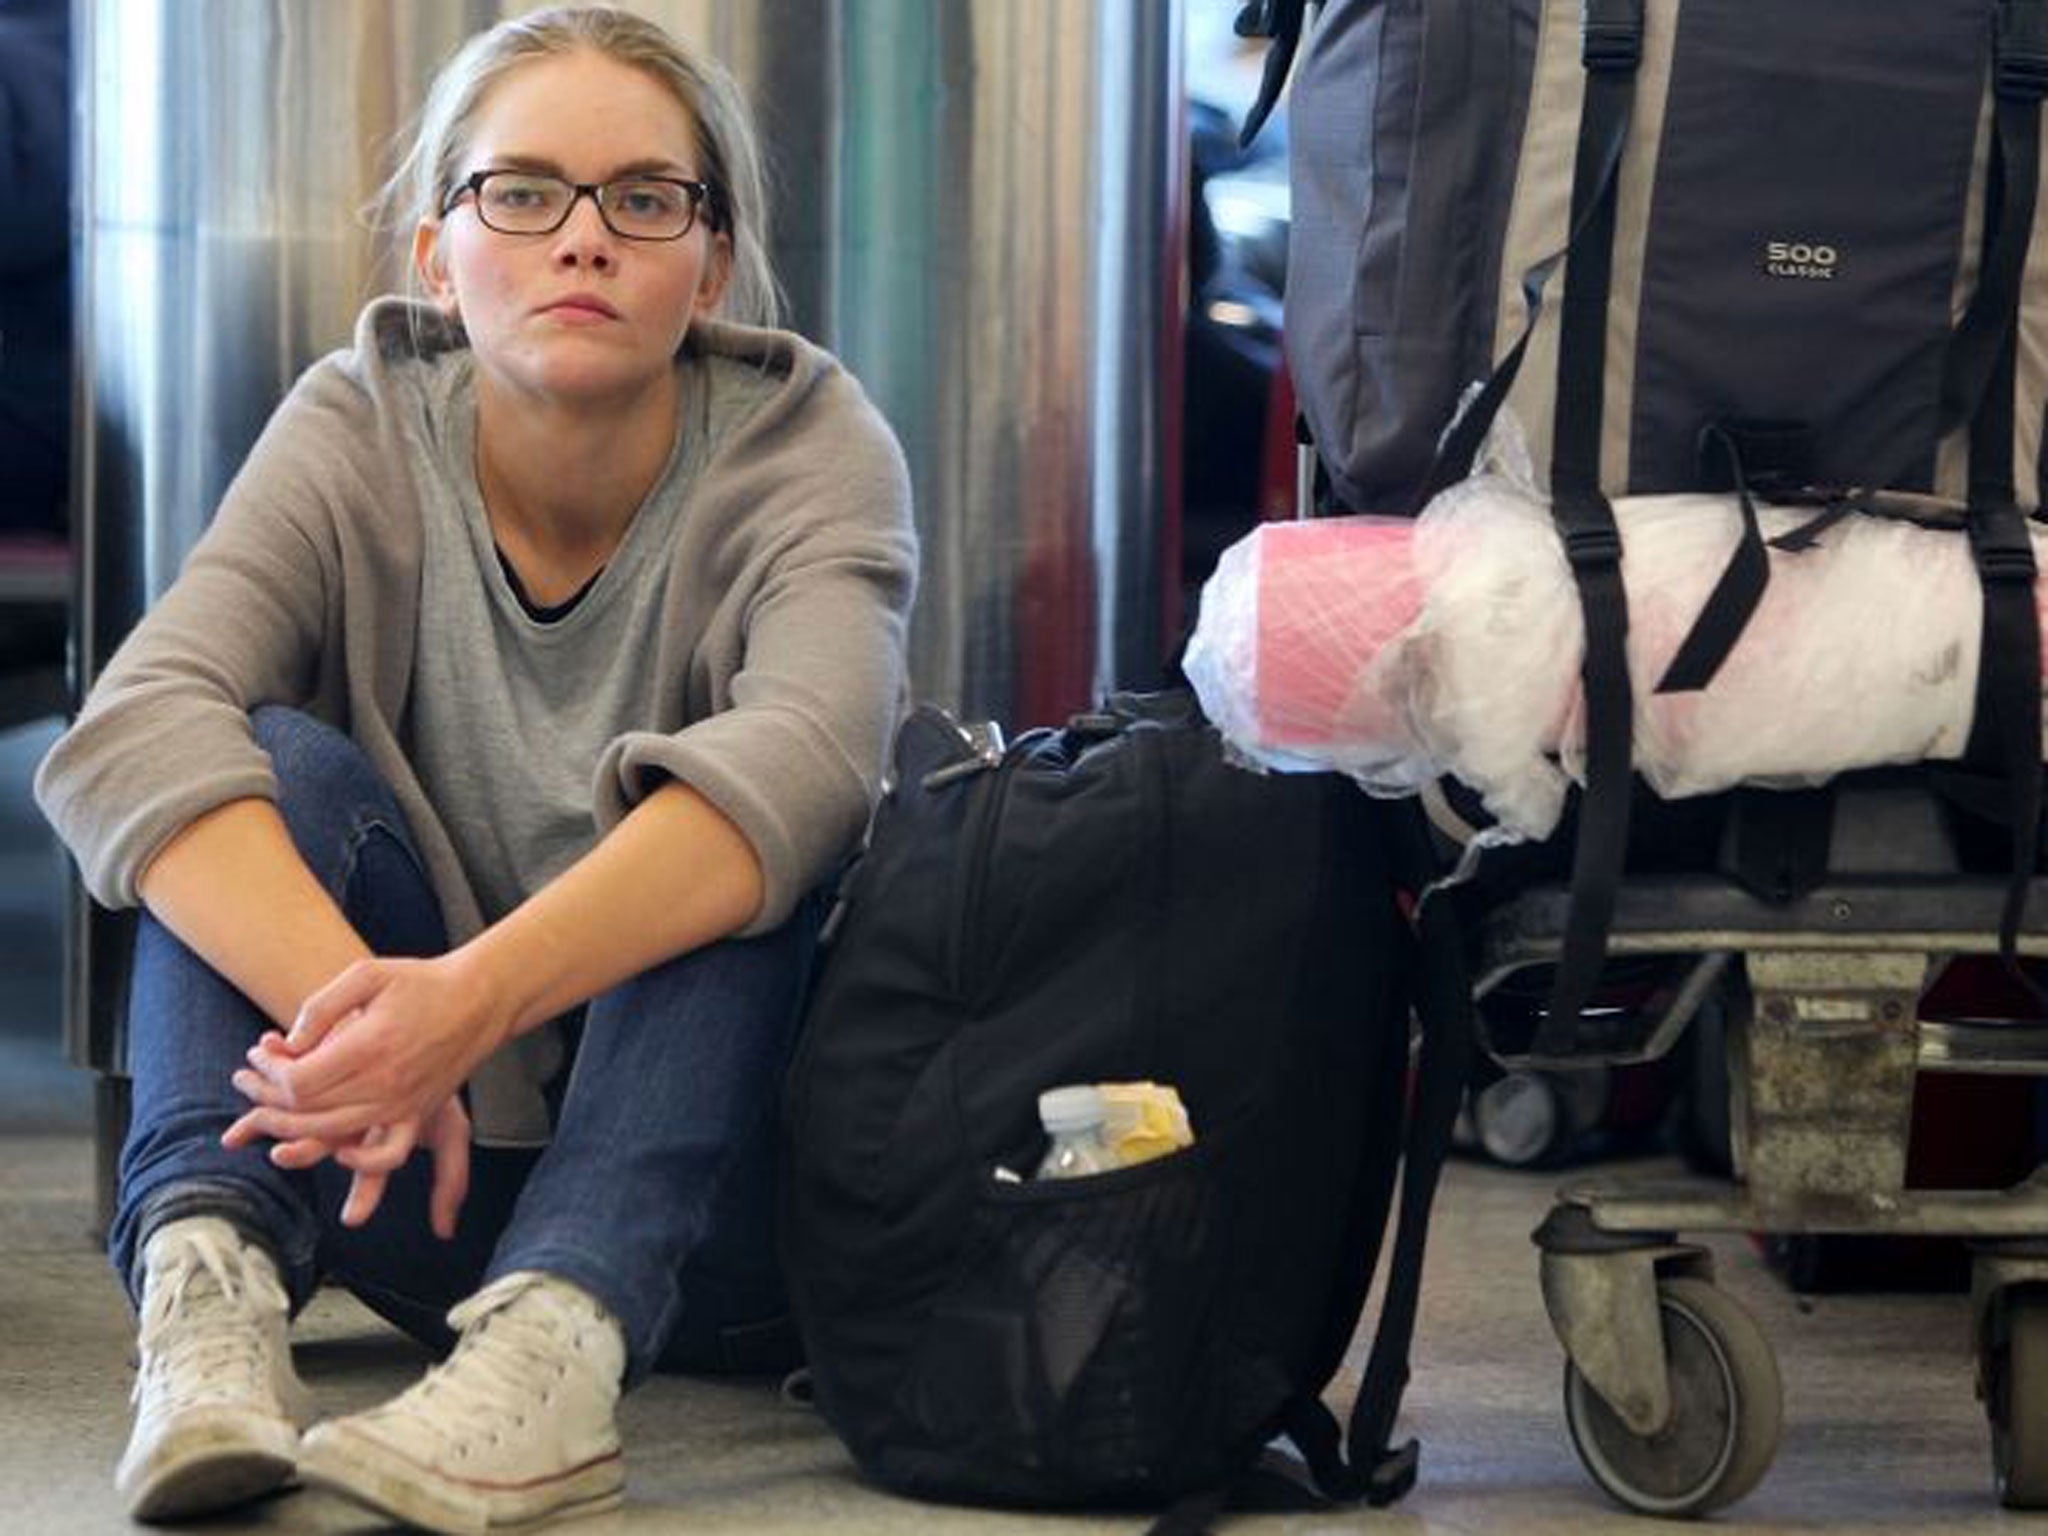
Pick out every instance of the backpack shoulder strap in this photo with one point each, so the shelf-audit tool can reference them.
(1191, 1514)
(1443, 1007)
(1281, 20)
(1372, 1469)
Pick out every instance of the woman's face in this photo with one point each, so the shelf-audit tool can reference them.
(580, 315)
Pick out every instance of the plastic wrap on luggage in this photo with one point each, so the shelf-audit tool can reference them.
(1399, 650)
(1299, 625)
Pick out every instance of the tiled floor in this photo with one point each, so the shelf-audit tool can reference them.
(1881, 1431)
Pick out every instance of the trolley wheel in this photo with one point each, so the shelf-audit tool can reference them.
(1726, 1410)
(2016, 1398)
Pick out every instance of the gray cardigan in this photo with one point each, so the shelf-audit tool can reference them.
(781, 648)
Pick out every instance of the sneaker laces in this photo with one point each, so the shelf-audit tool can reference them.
(507, 1366)
(207, 1306)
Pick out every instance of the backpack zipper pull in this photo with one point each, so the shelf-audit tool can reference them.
(984, 739)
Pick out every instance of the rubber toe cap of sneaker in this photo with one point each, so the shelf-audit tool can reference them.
(208, 1461)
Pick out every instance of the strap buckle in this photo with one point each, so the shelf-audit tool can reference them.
(2022, 68)
(2007, 565)
(1592, 546)
(2003, 548)
(1613, 35)
(1392, 1474)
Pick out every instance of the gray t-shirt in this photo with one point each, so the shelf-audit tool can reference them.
(510, 713)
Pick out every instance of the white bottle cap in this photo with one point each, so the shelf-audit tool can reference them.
(1070, 1109)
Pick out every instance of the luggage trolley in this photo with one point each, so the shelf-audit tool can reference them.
(1671, 1390)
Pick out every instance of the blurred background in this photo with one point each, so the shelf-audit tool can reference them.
(1028, 229)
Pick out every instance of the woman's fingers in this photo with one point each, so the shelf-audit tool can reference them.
(448, 1140)
(318, 1014)
(382, 1149)
(301, 1068)
(306, 1152)
(332, 1067)
(365, 1191)
(333, 1126)
(372, 1152)
(258, 1089)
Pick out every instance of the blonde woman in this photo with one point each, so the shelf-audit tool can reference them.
(474, 775)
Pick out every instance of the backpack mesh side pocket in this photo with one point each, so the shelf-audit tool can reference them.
(1080, 1355)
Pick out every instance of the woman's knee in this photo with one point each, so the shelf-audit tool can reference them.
(313, 760)
(343, 817)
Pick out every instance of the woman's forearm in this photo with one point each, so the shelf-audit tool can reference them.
(676, 874)
(233, 887)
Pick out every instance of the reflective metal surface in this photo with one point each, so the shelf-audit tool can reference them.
(1009, 288)
(229, 148)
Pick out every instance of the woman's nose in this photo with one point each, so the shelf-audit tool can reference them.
(584, 238)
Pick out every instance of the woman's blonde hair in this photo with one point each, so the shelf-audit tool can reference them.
(718, 113)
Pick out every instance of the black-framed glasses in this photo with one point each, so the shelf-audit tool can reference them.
(632, 207)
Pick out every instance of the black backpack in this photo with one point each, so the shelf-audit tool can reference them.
(1111, 902)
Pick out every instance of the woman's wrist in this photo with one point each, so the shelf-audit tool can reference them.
(505, 997)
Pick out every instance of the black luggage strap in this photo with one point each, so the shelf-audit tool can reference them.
(1443, 1005)
(2009, 668)
(1613, 48)
(1778, 841)
(1833, 510)
(2009, 699)
(1320, 1439)
(1281, 20)
(2019, 80)
(1192, 1514)
(1734, 599)
(1359, 1462)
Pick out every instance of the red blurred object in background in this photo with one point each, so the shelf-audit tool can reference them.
(1974, 1131)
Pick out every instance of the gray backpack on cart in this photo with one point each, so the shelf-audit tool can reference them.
(1690, 245)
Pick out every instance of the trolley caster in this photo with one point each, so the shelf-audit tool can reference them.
(2014, 1371)
(1727, 1408)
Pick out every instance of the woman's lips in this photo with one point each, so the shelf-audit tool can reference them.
(579, 309)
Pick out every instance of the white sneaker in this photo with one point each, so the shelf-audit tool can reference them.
(217, 1404)
(515, 1426)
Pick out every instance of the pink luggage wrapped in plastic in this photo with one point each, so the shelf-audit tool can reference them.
(1399, 650)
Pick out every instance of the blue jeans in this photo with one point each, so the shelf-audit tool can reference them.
(656, 1193)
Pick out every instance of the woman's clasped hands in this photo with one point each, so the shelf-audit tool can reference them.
(370, 1071)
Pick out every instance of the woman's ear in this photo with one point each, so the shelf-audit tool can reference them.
(432, 267)
(717, 273)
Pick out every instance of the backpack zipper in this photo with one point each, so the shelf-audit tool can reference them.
(967, 925)
(1151, 743)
